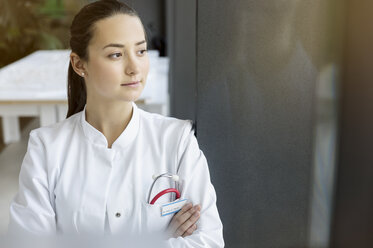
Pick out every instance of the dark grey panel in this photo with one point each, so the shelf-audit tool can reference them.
(152, 13)
(259, 64)
(181, 35)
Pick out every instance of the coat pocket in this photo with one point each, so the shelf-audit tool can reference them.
(152, 219)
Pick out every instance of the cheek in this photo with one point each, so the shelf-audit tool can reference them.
(145, 69)
(105, 74)
(104, 69)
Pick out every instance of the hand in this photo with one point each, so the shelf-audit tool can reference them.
(184, 222)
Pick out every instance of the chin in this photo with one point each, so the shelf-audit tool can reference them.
(131, 98)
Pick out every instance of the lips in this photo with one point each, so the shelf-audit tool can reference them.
(131, 83)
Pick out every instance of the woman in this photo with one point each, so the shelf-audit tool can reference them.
(91, 173)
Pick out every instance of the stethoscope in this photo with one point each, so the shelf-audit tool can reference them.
(163, 192)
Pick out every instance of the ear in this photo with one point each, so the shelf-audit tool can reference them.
(78, 64)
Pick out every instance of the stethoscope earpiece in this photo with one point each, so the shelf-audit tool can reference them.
(175, 178)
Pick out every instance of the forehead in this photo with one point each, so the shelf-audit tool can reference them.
(120, 28)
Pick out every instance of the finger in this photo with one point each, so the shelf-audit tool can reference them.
(179, 220)
(187, 215)
(180, 217)
(189, 231)
(184, 209)
(198, 207)
(187, 224)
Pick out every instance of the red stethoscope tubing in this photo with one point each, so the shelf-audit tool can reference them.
(170, 190)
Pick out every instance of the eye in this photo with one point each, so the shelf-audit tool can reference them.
(115, 55)
(142, 52)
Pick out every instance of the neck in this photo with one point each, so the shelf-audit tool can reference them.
(111, 119)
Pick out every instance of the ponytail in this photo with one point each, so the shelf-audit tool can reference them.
(76, 92)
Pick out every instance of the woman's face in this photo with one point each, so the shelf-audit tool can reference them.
(118, 63)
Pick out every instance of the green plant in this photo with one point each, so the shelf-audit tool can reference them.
(30, 25)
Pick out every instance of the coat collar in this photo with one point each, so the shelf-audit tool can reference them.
(125, 138)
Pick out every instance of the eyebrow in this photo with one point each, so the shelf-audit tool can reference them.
(121, 46)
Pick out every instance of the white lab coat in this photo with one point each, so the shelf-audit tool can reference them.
(71, 183)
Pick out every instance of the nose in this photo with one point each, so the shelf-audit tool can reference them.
(132, 67)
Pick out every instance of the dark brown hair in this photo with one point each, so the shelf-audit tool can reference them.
(81, 32)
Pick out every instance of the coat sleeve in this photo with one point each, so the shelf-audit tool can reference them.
(195, 185)
(31, 211)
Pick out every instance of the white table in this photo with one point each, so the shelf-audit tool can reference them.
(37, 86)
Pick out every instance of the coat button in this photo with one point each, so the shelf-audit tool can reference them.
(117, 215)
